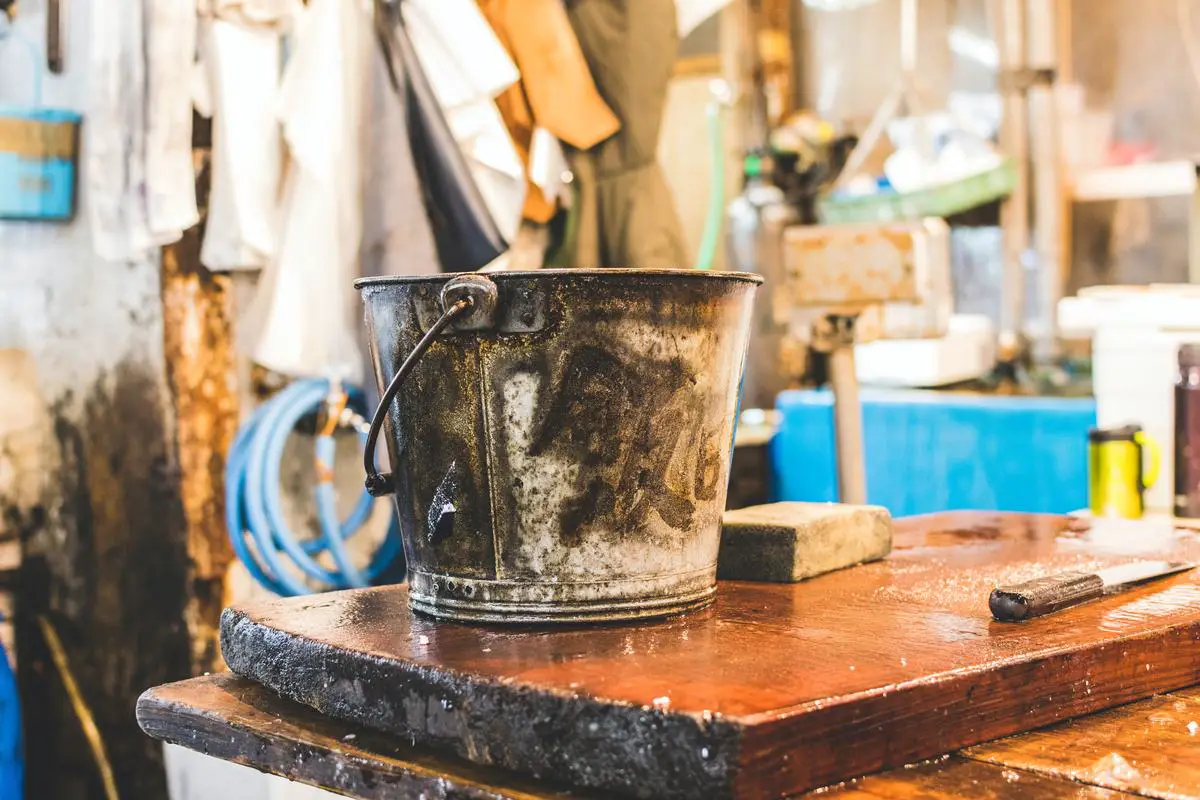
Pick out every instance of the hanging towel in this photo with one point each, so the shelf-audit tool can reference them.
(690, 13)
(397, 238)
(467, 68)
(555, 98)
(242, 50)
(138, 173)
(115, 135)
(170, 172)
(464, 229)
(300, 322)
(626, 214)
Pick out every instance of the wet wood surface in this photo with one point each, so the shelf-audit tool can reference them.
(1151, 748)
(776, 689)
(957, 778)
(237, 720)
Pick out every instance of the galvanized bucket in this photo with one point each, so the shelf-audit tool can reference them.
(560, 441)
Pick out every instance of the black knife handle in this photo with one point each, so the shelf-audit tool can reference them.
(1044, 595)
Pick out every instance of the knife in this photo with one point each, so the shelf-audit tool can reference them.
(1052, 593)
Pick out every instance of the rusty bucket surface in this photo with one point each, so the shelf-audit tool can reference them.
(561, 449)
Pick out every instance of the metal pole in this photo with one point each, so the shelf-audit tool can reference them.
(847, 424)
(1048, 185)
(1008, 17)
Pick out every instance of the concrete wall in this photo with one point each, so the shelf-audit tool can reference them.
(87, 472)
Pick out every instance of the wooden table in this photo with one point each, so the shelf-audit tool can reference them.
(774, 690)
(1146, 749)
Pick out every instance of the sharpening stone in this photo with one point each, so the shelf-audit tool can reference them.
(788, 542)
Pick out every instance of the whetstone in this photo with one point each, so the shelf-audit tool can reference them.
(788, 542)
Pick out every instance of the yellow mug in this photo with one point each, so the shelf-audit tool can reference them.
(1123, 463)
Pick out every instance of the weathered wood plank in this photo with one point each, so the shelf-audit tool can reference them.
(1151, 748)
(237, 720)
(240, 721)
(775, 690)
(957, 778)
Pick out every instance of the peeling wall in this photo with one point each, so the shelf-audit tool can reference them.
(88, 475)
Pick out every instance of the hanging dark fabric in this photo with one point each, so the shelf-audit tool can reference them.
(467, 236)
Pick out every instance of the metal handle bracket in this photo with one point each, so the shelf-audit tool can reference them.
(469, 302)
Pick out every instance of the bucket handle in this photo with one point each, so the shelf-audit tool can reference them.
(467, 297)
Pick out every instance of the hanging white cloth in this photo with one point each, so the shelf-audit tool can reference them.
(170, 172)
(138, 175)
(467, 68)
(241, 54)
(396, 235)
(548, 167)
(304, 301)
(115, 135)
(690, 13)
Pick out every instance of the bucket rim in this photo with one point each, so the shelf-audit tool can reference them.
(615, 272)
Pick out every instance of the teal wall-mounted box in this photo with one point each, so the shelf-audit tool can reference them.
(39, 157)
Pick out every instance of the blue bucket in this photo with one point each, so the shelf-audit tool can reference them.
(39, 155)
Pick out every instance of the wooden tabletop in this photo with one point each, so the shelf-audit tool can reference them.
(1146, 749)
(774, 690)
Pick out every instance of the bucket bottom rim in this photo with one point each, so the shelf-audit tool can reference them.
(560, 612)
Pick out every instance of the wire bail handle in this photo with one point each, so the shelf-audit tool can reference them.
(469, 299)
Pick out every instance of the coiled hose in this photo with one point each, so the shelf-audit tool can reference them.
(262, 539)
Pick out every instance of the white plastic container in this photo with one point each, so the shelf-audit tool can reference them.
(966, 352)
(1136, 332)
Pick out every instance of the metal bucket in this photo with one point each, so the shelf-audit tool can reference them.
(560, 441)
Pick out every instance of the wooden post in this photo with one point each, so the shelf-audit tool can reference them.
(198, 336)
(1051, 194)
(741, 69)
(1009, 26)
(778, 61)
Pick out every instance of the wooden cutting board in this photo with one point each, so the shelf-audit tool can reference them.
(775, 689)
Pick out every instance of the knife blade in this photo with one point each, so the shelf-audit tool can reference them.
(1052, 593)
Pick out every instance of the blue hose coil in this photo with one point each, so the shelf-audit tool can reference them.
(254, 508)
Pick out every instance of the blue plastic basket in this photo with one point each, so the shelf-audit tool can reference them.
(39, 156)
(941, 451)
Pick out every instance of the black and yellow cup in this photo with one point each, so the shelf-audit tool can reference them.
(1122, 464)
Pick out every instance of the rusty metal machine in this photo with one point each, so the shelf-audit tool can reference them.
(849, 284)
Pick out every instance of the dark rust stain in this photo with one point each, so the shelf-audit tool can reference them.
(201, 374)
(109, 568)
(622, 415)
